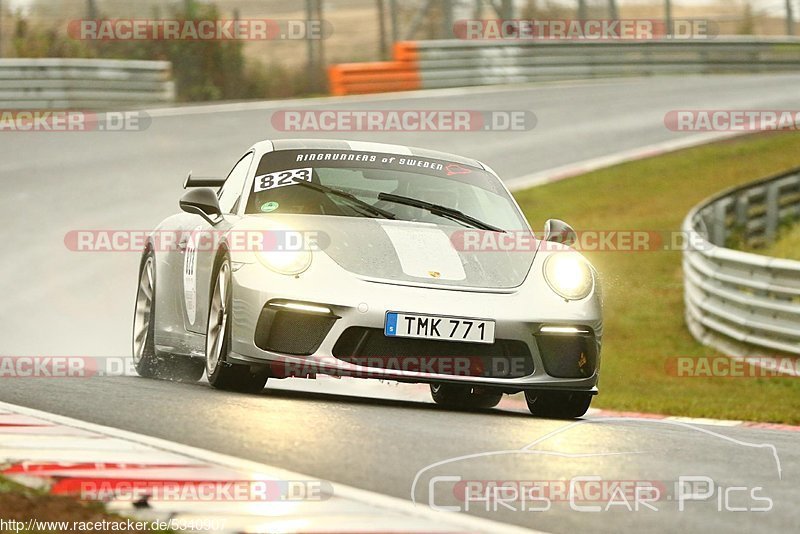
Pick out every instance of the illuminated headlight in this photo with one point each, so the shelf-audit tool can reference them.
(569, 275)
(289, 262)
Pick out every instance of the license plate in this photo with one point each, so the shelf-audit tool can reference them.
(439, 327)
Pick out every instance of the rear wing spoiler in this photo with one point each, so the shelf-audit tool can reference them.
(202, 181)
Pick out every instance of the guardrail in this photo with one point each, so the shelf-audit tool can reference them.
(460, 63)
(741, 303)
(56, 83)
(402, 74)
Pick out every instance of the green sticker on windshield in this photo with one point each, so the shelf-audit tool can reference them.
(269, 206)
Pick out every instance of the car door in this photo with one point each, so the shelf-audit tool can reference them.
(199, 252)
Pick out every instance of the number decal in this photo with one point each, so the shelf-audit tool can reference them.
(280, 179)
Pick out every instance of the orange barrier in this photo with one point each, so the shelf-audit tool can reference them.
(401, 74)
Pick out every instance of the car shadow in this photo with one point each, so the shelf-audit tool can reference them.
(314, 396)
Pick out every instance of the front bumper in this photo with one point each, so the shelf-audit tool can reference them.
(559, 360)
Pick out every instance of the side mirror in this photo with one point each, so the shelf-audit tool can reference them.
(203, 202)
(558, 231)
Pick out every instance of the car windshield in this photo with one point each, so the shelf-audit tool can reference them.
(365, 175)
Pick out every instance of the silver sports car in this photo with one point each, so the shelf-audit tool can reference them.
(368, 260)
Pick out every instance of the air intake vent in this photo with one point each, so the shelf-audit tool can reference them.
(568, 356)
(289, 332)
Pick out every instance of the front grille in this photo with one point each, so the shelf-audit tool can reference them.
(289, 332)
(568, 356)
(369, 347)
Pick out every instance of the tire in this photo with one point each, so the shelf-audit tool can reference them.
(149, 362)
(465, 397)
(558, 404)
(221, 373)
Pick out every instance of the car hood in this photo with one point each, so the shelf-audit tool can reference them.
(414, 253)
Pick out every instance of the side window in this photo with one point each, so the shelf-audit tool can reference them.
(231, 190)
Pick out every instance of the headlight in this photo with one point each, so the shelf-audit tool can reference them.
(289, 262)
(569, 275)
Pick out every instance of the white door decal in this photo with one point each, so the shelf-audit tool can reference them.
(190, 277)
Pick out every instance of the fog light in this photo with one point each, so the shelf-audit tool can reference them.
(301, 307)
(565, 330)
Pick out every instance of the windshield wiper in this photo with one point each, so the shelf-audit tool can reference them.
(444, 211)
(349, 196)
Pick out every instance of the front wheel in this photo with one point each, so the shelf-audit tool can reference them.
(149, 362)
(558, 404)
(465, 397)
(221, 373)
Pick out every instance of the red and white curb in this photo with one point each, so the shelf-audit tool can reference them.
(599, 414)
(66, 456)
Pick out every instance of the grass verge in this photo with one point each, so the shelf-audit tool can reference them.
(644, 310)
(54, 513)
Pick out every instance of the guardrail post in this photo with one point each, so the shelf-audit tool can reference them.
(793, 187)
(742, 207)
(773, 213)
(718, 230)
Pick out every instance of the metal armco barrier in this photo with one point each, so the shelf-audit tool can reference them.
(55, 83)
(740, 303)
(459, 63)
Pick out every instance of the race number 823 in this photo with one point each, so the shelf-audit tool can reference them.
(280, 179)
